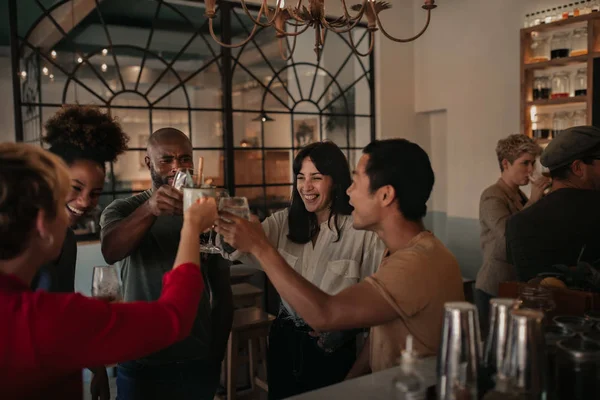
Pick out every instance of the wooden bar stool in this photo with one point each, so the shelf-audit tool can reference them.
(249, 332)
(246, 295)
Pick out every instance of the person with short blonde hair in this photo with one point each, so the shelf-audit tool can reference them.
(517, 157)
(514, 146)
(47, 338)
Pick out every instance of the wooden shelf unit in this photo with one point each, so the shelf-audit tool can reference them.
(592, 21)
(558, 102)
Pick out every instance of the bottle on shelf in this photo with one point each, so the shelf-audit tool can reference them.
(536, 19)
(579, 118)
(554, 15)
(548, 16)
(526, 22)
(541, 88)
(560, 85)
(560, 45)
(565, 12)
(540, 49)
(577, 9)
(580, 84)
(541, 126)
(579, 42)
(560, 121)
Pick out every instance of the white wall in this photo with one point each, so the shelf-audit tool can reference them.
(467, 67)
(468, 64)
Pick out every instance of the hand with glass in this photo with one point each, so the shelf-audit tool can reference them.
(193, 189)
(237, 227)
(540, 184)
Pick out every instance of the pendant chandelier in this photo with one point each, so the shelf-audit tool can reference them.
(292, 21)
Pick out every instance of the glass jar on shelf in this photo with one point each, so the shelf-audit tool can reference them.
(560, 46)
(540, 49)
(560, 85)
(579, 42)
(579, 118)
(580, 84)
(541, 125)
(541, 87)
(560, 121)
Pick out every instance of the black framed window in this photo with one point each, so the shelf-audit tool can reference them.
(153, 64)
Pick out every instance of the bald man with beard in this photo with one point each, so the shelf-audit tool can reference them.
(142, 234)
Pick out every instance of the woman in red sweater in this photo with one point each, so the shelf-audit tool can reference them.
(47, 338)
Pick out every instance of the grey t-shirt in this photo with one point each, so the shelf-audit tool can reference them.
(142, 272)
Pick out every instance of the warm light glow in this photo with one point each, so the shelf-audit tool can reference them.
(79, 60)
(23, 74)
(51, 76)
(45, 71)
(264, 119)
(53, 54)
(104, 52)
(533, 113)
(104, 67)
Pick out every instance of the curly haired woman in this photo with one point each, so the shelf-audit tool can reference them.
(86, 139)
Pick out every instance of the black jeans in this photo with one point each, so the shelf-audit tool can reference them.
(296, 364)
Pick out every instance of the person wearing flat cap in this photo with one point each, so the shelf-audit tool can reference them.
(564, 226)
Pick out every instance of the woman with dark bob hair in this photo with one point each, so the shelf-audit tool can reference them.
(315, 236)
(47, 338)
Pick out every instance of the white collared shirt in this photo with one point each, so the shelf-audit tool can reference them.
(331, 266)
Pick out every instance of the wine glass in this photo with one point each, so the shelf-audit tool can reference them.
(184, 177)
(236, 206)
(106, 284)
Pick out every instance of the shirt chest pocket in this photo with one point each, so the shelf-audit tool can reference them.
(339, 275)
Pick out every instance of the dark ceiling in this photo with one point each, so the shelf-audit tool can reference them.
(129, 22)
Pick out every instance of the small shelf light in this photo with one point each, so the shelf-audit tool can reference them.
(79, 60)
(45, 71)
(103, 67)
(104, 52)
(23, 74)
(263, 117)
(51, 76)
(53, 54)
